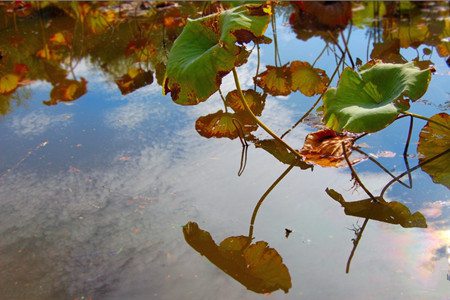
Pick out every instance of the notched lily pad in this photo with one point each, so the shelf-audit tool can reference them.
(223, 124)
(255, 101)
(324, 148)
(280, 152)
(208, 49)
(433, 140)
(256, 266)
(369, 100)
(308, 80)
(275, 81)
(388, 212)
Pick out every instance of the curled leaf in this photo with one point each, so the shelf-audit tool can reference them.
(388, 212)
(280, 152)
(369, 100)
(254, 100)
(324, 148)
(434, 140)
(256, 266)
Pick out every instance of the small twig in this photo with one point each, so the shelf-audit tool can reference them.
(355, 245)
(223, 99)
(258, 64)
(320, 55)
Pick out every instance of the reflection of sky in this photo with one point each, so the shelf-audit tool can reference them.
(99, 210)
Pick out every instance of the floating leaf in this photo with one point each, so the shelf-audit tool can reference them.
(223, 124)
(280, 152)
(133, 80)
(275, 81)
(256, 266)
(387, 51)
(67, 91)
(9, 83)
(324, 148)
(207, 50)
(308, 80)
(254, 100)
(433, 140)
(388, 212)
(332, 14)
(369, 100)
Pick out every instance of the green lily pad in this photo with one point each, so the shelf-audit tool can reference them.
(369, 100)
(209, 48)
(388, 212)
(256, 266)
(433, 140)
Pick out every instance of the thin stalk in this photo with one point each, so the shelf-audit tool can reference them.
(405, 150)
(355, 245)
(425, 118)
(315, 103)
(381, 166)
(355, 175)
(223, 99)
(259, 122)
(348, 52)
(263, 197)
(411, 170)
(320, 55)
(258, 64)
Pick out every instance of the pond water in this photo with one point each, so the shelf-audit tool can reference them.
(104, 181)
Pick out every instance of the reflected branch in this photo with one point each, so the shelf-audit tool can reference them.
(263, 197)
(355, 244)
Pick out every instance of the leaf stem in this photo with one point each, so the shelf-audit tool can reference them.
(257, 65)
(259, 122)
(425, 118)
(223, 99)
(355, 245)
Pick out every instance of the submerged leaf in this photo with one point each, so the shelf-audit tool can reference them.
(254, 100)
(223, 124)
(133, 80)
(433, 140)
(275, 81)
(256, 266)
(208, 49)
(369, 100)
(308, 80)
(324, 148)
(388, 212)
(280, 152)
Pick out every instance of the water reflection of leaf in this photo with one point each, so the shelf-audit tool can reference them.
(208, 49)
(255, 101)
(133, 80)
(388, 52)
(369, 100)
(224, 124)
(433, 140)
(280, 152)
(388, 212)
(256, 266)
(67, 91)
(10, 82)
(324, 148)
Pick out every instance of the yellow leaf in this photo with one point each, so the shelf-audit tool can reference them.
(308, 80)
(9, 83)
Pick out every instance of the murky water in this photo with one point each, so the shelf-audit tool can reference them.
(96, 186)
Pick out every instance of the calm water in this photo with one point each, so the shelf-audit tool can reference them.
(94, 193)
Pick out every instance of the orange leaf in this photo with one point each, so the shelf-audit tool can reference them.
(255, 100)
(275, 80)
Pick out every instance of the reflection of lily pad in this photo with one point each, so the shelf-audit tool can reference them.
(67, 90)
(256, 266)
(133, 80)
(308, 80)
(207, 50)
(280, 152)
(369, 100)
(254, 100)
(324, 148)
(433, 140)
(388, 212)
(220, 124)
